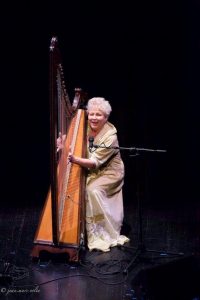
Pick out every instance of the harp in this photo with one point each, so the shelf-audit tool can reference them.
(61, 227)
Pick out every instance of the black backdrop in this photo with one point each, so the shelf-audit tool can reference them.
(144, 58)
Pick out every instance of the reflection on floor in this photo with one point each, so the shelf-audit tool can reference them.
(170, 272)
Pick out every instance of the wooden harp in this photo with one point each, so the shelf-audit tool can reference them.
(61, 228)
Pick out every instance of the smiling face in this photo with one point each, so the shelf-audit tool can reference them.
(96, 119)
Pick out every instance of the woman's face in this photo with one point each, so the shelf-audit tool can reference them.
(96, 119)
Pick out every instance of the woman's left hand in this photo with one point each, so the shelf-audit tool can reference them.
(71, 157)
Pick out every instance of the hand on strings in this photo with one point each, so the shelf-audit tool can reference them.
(60, 141)
(71, 157)
(82, 162)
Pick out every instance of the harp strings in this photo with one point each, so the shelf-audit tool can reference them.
(66, 176)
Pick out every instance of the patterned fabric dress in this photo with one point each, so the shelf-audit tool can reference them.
(104, 201)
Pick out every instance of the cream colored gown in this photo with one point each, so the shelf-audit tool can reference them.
(104, 201)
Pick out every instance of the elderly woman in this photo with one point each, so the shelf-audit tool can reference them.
(104, 202)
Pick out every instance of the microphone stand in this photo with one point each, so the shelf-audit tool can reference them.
(141, 249)
(131, 149)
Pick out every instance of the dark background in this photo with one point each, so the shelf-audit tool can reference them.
(143, 58)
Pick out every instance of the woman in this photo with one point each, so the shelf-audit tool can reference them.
(104, 203)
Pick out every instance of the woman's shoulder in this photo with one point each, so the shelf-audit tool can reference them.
(110, 128)
(107, 134)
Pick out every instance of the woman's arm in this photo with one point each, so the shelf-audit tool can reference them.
(83, 162)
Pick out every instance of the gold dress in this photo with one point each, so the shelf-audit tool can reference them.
(104, 201)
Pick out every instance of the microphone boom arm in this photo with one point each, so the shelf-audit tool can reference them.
(131, 149)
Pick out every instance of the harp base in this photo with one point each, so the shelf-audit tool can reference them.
(73, 253)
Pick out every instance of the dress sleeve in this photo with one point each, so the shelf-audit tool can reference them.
(101, 155)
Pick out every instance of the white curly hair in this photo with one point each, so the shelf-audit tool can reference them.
(101, 104)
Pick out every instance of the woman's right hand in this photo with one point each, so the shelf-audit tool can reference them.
(60, 141)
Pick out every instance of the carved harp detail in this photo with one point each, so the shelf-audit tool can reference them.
(61, 227)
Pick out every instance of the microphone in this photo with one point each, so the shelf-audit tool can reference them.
(91, 140)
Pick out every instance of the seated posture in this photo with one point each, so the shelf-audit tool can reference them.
(105, 177)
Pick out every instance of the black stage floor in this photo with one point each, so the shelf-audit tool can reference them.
(170, 272)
